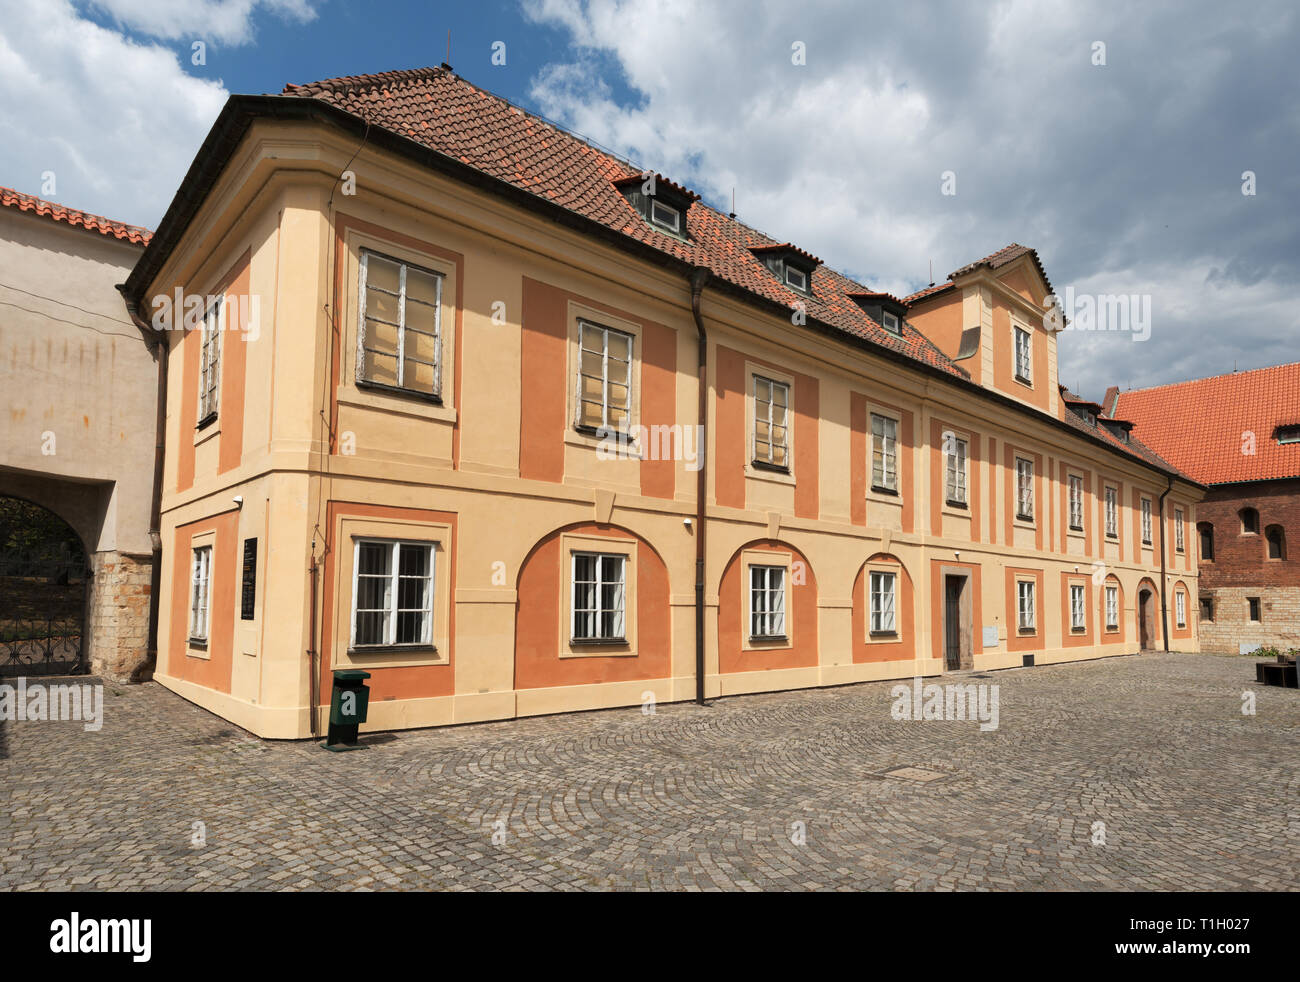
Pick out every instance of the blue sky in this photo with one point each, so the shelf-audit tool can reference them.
(1126, 175)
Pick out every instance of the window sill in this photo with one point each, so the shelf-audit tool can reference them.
(877, 489)
(1079, 630)
(884, 635)
(1076, 528)
(199, 643)
(1026, 632)
(392, 649)
(588, 642)
(763, 465)
(394, 390)
(1028, 519)
(1112, 629)
(1146, 543)
(1112, 537)
(206, 421)
(957, 504)
(764, 638)
(1024, 381)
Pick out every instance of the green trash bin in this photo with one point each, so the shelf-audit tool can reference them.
(348, 704)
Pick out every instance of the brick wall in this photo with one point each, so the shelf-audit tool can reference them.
(117, 618)
(1241, 568)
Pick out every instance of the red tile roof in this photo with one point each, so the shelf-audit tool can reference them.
(443, 112)
(1204, 426)
(1007, 254)
(134, 234)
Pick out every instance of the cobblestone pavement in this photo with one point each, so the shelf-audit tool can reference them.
(1194, 794)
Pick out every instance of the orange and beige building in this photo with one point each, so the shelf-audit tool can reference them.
(458, 399)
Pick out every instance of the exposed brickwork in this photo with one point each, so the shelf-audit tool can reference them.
(1241, 568)
(117, 615)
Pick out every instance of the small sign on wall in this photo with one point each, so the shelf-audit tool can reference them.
(248, 599)
(991, 637)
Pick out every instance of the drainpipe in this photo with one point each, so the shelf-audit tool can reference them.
(1164, 605)
(700, 276)
(158, 347)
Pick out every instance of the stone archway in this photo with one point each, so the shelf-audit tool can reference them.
(45, 581)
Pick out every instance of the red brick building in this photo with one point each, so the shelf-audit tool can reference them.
(1240, 435)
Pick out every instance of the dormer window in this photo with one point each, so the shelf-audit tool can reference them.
(1288, 434)
(661, 203)
(789, 264)
(666, 216)
(883, 308)
(890, 322)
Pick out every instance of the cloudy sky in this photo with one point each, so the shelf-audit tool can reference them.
(1113, 137)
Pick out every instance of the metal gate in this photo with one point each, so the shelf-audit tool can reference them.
(44, 581)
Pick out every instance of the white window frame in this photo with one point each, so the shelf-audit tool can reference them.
(762, 383)
(1180, 607)
(391, 597)
(617, 633)
(210, 360)
(1112, 512)
(1112, 607)
(884, 445)
(767, 619)
(1023, 353)
(883, 589)
(401, 326)
(889, 320)
(1025, 613)
(1179, 542)
(1025, 489)
(1078, 607)
(1145, 508)
(957, 470)
(673, 226)
(791, 272)
(608, 368)
(1076, 502)
(200, 593)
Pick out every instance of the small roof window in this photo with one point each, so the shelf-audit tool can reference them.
(789, 264)
(663, 204)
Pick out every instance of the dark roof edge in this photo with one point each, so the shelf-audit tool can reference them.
(240, 111)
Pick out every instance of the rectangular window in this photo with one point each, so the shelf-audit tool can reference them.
(1078, 613)
(1146, 521)
(1076, 502)
(1254, 608)
(1180, 606)
(392, 593)
(1207, 542)
(1112, 608)
(882, 603)
(248, 592)
(1288, 434)
(956, 469)
(599, 596)
(399, 335)
(665, 215)
(210, 364)
(1024, 488)
(771, 409)
(890, 321)
(1178, 529)
(604, 378)
(1025, 604)
(200, 579)
(1112, 513)
(1207, 610)
(796, 278)
(884, 453)
(1022, 354)
(767, 601)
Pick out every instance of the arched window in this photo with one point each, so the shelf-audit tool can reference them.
(1276, 542)
(1249, 521)
(1206, 532)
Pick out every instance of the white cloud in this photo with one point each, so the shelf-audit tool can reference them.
(228, 21)
(1127, 173)
(116, 121)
